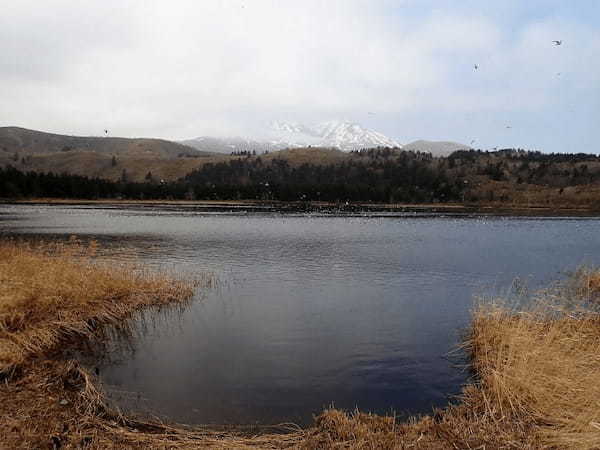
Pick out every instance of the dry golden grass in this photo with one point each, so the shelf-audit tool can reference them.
(314, 155)
(532, 196)
(93, 164)
(55, 404)
(138, 162)
(536, 382)
(51, 292)
(59, 294)
(536, 369)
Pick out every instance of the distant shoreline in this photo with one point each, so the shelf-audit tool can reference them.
(329, 207)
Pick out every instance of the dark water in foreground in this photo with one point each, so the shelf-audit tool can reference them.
(310, 310)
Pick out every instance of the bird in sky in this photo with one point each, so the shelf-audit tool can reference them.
(508, 126)
(472, 142)
(105, 131)
(557, 42)
(475, 66)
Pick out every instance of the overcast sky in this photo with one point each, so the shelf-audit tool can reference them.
(181, 69)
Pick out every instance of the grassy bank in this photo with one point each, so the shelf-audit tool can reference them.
(536, 369)
(536, 382)
(53, 292)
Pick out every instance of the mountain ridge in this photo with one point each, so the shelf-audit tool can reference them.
(343, 135)
(137, 159)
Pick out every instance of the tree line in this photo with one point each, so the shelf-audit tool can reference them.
(376, 175)
(17, 184)
(409, 177)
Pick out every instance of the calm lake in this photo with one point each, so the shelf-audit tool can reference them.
(310, 310)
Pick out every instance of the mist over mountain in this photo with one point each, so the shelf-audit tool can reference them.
(278, 135)
(436, 148)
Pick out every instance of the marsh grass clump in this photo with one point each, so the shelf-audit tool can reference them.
(54, 292)
(357, 430)
(536, 381)
(542, 368)
(538, 368)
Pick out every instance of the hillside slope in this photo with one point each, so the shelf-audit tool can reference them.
(111, 158)
(28, 142)
(125, 159)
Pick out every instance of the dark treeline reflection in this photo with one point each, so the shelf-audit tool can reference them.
(377, 175)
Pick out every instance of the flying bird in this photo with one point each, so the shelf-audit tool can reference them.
(475, 66)
(105, 131)
(472, 142)
(508, 126)
(557, 42)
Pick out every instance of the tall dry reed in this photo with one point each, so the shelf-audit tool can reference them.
(51, 292)
(540, 367)
(536, 381)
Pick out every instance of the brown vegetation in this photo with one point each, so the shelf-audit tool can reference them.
(95, 164)
(138, 164)
(29, 142)
(537, 382)
(539, 372)
(536, 369)
(51, 292)
(312, 155)
(503, 194)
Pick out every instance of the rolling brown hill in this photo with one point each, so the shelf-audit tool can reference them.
(29, 150)
(29, 142)
(93, 156)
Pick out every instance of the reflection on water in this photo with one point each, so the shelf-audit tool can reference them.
(312, 310)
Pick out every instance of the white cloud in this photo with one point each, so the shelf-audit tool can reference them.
(180, 69)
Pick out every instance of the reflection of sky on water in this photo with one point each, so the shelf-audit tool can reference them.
(311, 310)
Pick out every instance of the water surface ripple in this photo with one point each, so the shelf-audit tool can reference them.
(312, 310)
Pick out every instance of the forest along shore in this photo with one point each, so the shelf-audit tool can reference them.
(509, 178)
(536, 370)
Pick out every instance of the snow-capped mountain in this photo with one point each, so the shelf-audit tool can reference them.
(351, 136)
(229, 145)
(279, 135)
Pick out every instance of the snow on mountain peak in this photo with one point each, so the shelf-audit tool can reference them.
(339, 134)
(343, 135)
